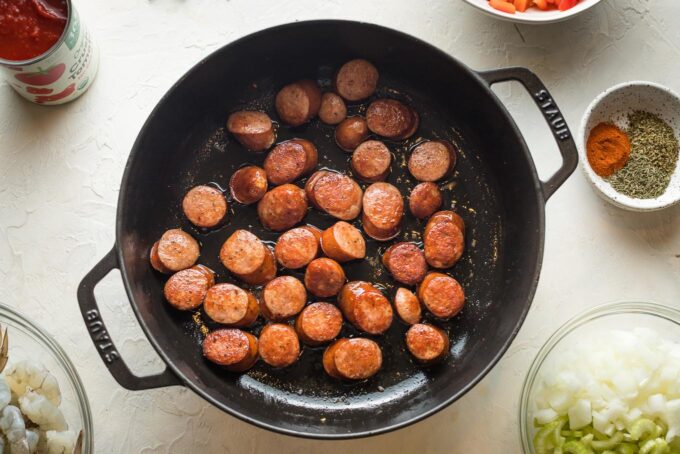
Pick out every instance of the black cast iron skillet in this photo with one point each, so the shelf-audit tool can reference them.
(495, 188)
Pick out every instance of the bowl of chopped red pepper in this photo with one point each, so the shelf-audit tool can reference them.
(533, 11)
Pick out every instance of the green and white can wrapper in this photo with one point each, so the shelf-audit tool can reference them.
(61, 74)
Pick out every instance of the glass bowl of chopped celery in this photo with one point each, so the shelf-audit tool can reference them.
(608, 382)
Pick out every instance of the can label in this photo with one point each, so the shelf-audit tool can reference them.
(64, 74)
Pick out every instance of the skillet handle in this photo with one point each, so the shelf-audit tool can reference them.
(100, 336)
(552, 115)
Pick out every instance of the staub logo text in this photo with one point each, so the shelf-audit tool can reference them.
(553, 114)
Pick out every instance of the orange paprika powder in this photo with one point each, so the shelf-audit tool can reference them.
(608, 149)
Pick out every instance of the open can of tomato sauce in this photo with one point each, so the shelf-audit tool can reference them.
(46, 53)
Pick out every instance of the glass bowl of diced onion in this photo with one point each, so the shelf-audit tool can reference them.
(608, 382)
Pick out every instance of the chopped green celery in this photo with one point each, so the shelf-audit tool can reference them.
(644, 427)
(545, 438)
(627, 448)
(612, 443)
(608, 452)
(655, 446)
(572, 433)
(587, 440)
(576, 447)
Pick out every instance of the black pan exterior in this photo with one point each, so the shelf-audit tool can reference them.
(495, 188)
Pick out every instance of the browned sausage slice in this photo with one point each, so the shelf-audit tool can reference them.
(264, 273)
(427, 343)
(352, 359)
(204, 206)
(296, 248)
(299, 102)
(451, 216)
(425, 199)
(156, 261)
(210, 274)
(232, 348)
(319, 323)
(391, 119)
(343, 242)
(383, 211)
(248, 184)
(407, 305)
(279, 345)
(231, 305)
(254, 130)
(243, 253)
(432, 160)
(442, 295)
(324, 277)
(356, 80)
(283, 298)
(289, 160)
(365, 307)
(350, 133)
(186, 289)
(336, 194)
(282, 207)
(371, 161)
(177, 250)
(349, 294)
(406, 262)
(444, 242)
(333, 109)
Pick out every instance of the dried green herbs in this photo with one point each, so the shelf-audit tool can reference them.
(653, 158)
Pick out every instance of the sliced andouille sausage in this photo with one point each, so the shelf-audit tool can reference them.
(247, 257)
(356, 80)
(407, 305)
(254, 130)
(425, 199)
(444, 242)
(282, 298)
(432, 160)
(315, 231)
(365, 307)
(442, 295)
(296, 248)
(232, 348)
(343, 242)
(334, 193)
(282, 207)
(177, 250)
(290, 160)
(383, 211)
(371, 161)
(350, 132)
(391, 119)
(279, 345)
(427, 343)
(333, 109)
(186, 289)
(204, 206)
(265, 273)
(319, 323)
(352, 359)
(405, 262)
(299, 102)
(210, 274)
(231, 305)
(248, 184)
(451, 216)
(156, 261)
(324, 277)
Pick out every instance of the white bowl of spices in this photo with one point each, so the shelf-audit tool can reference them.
(629, 145)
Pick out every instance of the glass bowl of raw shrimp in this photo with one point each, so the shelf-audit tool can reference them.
(48, 410)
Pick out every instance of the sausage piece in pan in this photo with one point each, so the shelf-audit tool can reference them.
(282, 298)
(443, 240)
(232, 348)
(186, 289)
(204, 206)
(383, 211)
(333, 109)
(442, 295)
(299, 102)
(177, 250)
(427, 343)
(290, 160)
(282, 207)
(432, 160)
(356, 80)
(352, 359)
(319, 323)
(365, 307)
(324, 277)
(254, 130)
(371, 161)
(279, 345)
(248, 258)
(156, 261)
(425, 199)
(231, 305)
(335, 193)
(248, 184)
(407, 305)
(405, 262)
(210, 274)
(343, 242)
(296, 248)
(391, 119)
(350, 133)
(451, 216)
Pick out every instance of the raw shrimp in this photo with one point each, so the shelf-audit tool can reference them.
(25, 375)
(41, 411)
(5, 394)
(61, 442)
(13, 426)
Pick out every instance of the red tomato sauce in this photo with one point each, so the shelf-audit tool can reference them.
(29, 28)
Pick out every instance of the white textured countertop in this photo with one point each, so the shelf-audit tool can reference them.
(60, 170)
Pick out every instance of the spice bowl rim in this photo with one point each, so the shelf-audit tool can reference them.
(653, 309)
(672, 195)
